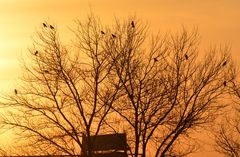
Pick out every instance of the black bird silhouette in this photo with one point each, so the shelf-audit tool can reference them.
(131, 96)
(114, 36)
(51, 27)
(186, 56)
(15, 91)
(44, 25)
(224, 63)
(225, 83)
(155, 59)
(46, 71)
(133, 25)
(102, 32)
(36, 53)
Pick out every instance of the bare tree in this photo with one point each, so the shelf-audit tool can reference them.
(157, 90)
(63, 93)
(167, 91)
(227, 137)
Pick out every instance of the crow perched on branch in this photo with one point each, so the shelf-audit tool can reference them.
(51, 27)
(133, 25)
(155, 59)
(15, 91)
(224, 63)
(114, 36)
(36, 53)
(102, 32)
(44, 25)
(225, 83)
(186, 56)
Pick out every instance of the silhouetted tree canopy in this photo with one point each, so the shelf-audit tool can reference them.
(154, 88)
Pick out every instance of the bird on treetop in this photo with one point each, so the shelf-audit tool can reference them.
(186, 56)
(51, 27)
(224, 63)
(15, 91)
(155, 59)
(114, 36)
(36, 53)
(225, 83)
(44, 25)
(133, 25)
(102, 32)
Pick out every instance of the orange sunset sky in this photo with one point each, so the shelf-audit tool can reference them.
(218, 22)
